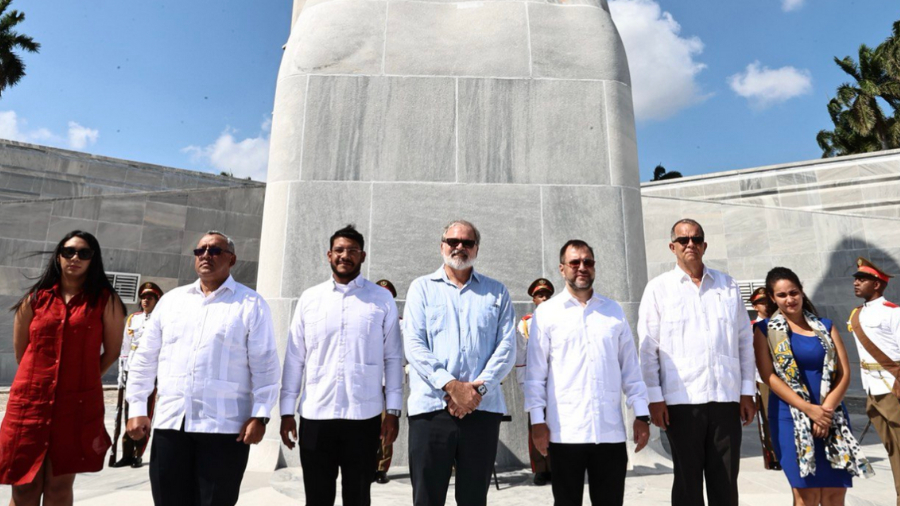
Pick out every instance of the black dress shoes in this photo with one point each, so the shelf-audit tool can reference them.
(541, 479)
(381, 477)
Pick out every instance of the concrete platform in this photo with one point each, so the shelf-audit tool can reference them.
(649, 483)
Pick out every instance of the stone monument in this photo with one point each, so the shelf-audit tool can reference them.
(400, 115)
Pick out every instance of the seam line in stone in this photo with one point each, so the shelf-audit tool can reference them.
(451, 76)
(543, 251)
(387, 7)
(285, 245)
(528, 33)
(303, 128)
(608, 140)
(625, 233)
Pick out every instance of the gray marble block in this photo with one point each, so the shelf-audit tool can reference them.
(399, 116)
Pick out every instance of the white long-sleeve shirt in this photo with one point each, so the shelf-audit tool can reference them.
(346, 338)
(696, 342)
(214, 356)
(880, 320)
(580, 361)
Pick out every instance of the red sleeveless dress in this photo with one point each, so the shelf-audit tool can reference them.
(55, 408)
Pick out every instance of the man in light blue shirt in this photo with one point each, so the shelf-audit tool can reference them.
(460, 340)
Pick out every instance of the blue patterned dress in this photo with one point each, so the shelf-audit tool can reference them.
(810, 356)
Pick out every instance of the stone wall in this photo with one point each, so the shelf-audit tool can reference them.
(151, 234)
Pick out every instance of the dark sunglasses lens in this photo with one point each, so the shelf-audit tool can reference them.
(698, 239)
(588, 263)
(453, 243)
(85, 254)
(213, 251)
(67, 253)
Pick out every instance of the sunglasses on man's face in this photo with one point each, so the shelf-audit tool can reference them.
(587, 262)
(698, 240)
(69, 253)
(454, 242)
(213, 251)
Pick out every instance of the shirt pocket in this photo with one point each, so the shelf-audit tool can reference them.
(725, 309)
(220, 399)
(487, 321)
(435, 320)
(314, 327)
(682, 372)
(366, 383)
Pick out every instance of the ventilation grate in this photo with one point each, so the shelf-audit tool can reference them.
(126, 284)
(747, 288)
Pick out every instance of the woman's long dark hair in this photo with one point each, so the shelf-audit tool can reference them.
(94, 283)
(783, 273)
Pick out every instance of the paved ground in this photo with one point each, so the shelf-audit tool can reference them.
(648, 484)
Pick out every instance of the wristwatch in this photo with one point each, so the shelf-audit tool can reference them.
(263, 419)
(482, 390)
(644, 418)
(395, 412)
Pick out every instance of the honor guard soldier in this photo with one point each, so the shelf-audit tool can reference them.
(540, 290)
(876, 326)
(385, 449)
(133, 451)
(759, 300)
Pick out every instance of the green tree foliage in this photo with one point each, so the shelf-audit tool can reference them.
(661, 174)
(866, 111)
(12, 69)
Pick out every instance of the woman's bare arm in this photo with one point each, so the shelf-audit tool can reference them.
(21, 325)
(113, 326)
(842, 372)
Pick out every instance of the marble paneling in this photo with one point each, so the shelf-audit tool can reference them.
(808, 266)
(21, 253)
(247, 249)
(623, 156)
(202, 220)
(337, 37)
(244, 225)
(887, 168)
(245, 200)
(176, 198)
(750, 268)
(118, 260)
(106, 171)
(120, 210)
(836, 232)
(271, 248)
(15, 281)
(288, 119)
(841, 264)
(161, 214)
(315, 210)
(27, 220)
(791, 179)
(880, 233)
(788, 219)
(119, 235)
(744, 244)
(636, 260)
(594, 215)
(245, 272)
(86, 209)
(742, 218)
(145, 177)
(55, 188)
(161, 240)
(789, 240)
(833, 174)
(63, 208)
(575, 43)
(27, 185)
(191, 240)
(382, 129)
(487, 39)
(59, 227)
(208, 199)
(186, 272)
(161, 265)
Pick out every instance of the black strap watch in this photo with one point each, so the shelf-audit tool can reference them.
(263, 419)
(643, 418)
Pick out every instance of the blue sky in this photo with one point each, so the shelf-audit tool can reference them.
(718, 84)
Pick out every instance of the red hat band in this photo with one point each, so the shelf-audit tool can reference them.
(873, 272)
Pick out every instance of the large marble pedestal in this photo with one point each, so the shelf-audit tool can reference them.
(399, 116)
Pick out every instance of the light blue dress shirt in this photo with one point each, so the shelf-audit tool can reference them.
(466, 334)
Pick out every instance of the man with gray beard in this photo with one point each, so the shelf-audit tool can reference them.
(460, 339)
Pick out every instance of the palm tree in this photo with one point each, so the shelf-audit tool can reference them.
(861, 124)
(660, 174)
(12, 69)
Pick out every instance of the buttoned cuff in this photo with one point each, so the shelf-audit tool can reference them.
(655, 394)
(136, 409)
(748, 387)
(394, 401)
(261, 411)
(440, 378)
(640, 407)
(288, 403)
(537, 416)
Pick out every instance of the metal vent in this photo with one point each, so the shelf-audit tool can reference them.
(747, 288)
(126, 284)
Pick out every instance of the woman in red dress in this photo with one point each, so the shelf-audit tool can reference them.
(53, 426)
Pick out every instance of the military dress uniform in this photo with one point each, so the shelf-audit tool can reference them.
(385, 452)
(540, 465)
(880, 320)
(770, 460)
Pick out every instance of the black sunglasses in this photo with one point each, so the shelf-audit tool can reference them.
(454, 242)
(213, 251)
(588, 262)
(69, 253)
(698, 240)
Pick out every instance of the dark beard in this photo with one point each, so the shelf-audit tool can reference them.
(349, 277)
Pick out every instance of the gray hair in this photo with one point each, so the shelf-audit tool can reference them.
(689, 222)
(465, 224)
(228, 239)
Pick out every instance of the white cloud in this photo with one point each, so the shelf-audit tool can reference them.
(791, 5)
(763, 86)
(246, 157)
(15, 128)
(80, 137)
(663, 66)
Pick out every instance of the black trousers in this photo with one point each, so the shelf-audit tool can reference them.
(438, 441)
(706, 442)
(326, 446)
(605, 464)
(196, 469)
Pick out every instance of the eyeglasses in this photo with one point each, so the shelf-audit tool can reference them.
(698, 240)
(212, 251)
(587, 262)
(349, 251)
(69, 253)
(454, 242)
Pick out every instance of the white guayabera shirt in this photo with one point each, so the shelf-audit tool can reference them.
(346, 338)
(696, 342)
(214, 357)
(580, 360)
